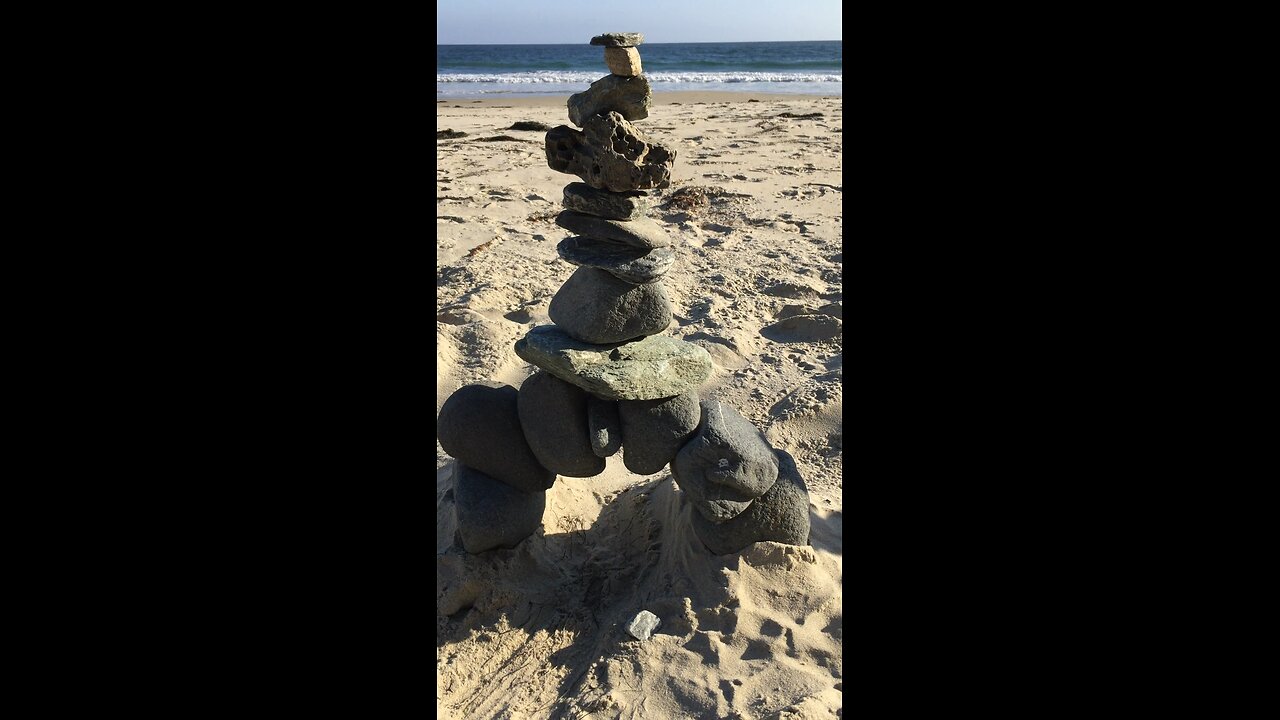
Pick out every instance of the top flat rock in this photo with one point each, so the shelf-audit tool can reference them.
(618, 39)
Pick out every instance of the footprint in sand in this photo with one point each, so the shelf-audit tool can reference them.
(803, 328)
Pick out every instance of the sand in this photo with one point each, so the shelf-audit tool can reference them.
(755, 213)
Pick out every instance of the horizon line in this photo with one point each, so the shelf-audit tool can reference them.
(697, 42)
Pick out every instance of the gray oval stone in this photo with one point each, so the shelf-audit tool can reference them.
(630, 97)
(642, 232)
(605, 426)
(655, 367)
(726, 466)
(480, 427)
(638, 266)
(596, 307)
(581, 197)
(553, 414)
(491, 513)
(780, 515)
(653, 431)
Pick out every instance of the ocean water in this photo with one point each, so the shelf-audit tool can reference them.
(812, 68)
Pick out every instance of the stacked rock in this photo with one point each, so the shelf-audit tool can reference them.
(606, 379)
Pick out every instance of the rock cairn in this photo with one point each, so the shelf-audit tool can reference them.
(606, 379)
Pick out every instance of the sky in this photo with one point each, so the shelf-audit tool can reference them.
(553, 22)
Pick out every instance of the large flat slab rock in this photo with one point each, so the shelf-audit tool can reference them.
(780, 515)
(726, 466)
(581, 197)
(553, 414)
(638, 266)
(492, 514)
(619, 39)
(610, 154)
(630, 97)
(648, 369)
(596, 307)
(480, 426)
(642, 232)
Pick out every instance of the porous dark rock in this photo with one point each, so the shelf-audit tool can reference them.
(480, 426)
(610, 154)
(492, 514)
(581, 197)
(780, 515)
(655, 367)
(596, 307)
(619, 39)
(635, 265)
(653, 431)
(642, 232)
(553, 414)
(604, 426)
(726, 466)
(630, 97)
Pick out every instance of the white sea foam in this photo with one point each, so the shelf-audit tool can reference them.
(563, 76)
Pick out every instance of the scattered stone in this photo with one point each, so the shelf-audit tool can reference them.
(596, 307)
(499, 138)
(642, 625)
(480, 427)
(624, 61)
(491, 513)
(581, 197)
(619, 39)
(780, 515)
(553, 414)
(610, 154)
(449, 134)
(800, 117)
(726, 466)
(605, 427)
(648, 369)
(530, 125)
(655, 430)
(803, 328)
(630, 97)
(642, 232)
(635, 265)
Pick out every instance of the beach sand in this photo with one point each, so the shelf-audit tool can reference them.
(754, 210)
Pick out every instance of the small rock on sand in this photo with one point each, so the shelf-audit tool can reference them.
(642, 625)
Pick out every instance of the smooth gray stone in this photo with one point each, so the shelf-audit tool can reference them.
(581, 197)
(653, 431)
(638, 266)
(480, 426)
(553, 414)
(642, 232)
(780, 515)
(492, 514)
(596, 307)
(630, 97)
(618, 39)
(610, 154)
(655, 367)
(726, 466)
(605, 427)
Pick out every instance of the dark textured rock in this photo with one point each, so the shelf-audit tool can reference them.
(581, 197)
(605, 427)
(655, 367)
(553, 414)
(630, 97)
(619, 39)
(610, 154)
(635, 265)
(726, 465)
(491, 513)
(529, 125)
(803, 328)
(596, 307)
(642, 232)
(653, 431)
(480, 426)
(780, 515)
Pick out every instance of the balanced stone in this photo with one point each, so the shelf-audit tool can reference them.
(635, 265)
(491, 513)
(581, 197)
(605, 427)
(624, 61)
(553, 414)
(726, 465)
(630, 97)
(780, 515)
(610, 154)
(480, 427)
(653, 431)
(619, 39)
(642, 232)
(596, 307)
(648, 369)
